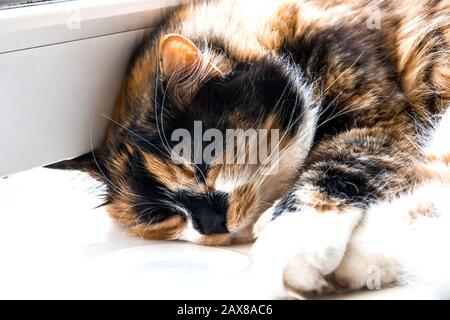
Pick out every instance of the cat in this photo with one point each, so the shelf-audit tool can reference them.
(351, 87)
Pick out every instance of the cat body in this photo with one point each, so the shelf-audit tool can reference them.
(400, 241)
(352, 88)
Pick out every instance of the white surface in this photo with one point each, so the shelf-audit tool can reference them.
(54, 245)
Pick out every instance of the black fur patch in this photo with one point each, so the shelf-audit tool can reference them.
(91, 163)
(243, 100)
(352, 187)
(153, 202)
(287, 204)
(208, 211)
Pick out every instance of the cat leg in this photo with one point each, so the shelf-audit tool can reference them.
(413, 227)
(299, 249)
(308, 230)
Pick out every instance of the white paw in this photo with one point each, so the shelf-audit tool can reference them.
(301, 280)
(295, 253)
(264, 220)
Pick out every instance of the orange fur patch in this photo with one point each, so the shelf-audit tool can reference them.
(174, 177)
(216, 240)
(241, 201)
(167, 229)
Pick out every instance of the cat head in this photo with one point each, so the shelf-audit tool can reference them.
(201, 141)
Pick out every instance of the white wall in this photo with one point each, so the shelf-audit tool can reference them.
(60, 69)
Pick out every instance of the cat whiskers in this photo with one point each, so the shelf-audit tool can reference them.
(162, 134)
(133, 133)
(286, 150)
(100, 169)
(323, 92)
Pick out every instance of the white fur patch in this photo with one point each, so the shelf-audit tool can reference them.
(300, 248)
(190, 233)
(406, 240)
(228, 184)
(439, 142)
(395, 244)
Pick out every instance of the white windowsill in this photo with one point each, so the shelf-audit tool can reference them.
(44, 24)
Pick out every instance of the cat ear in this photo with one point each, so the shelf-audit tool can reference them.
(183, 65)
(89, 163)
(177, 54)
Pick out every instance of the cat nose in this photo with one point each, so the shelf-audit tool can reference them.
(208, 221)
(208, 213)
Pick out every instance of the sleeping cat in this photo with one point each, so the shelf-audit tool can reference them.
(351, 88)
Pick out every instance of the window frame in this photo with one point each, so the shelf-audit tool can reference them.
(58, 22)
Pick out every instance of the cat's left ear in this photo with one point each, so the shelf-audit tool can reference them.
(183, 65)
(89, 163)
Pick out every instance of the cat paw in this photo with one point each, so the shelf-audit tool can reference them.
(264, 220)
(281, 261)
(301, 280)
(296, 254)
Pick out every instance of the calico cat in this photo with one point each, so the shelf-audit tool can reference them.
(352, 87)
